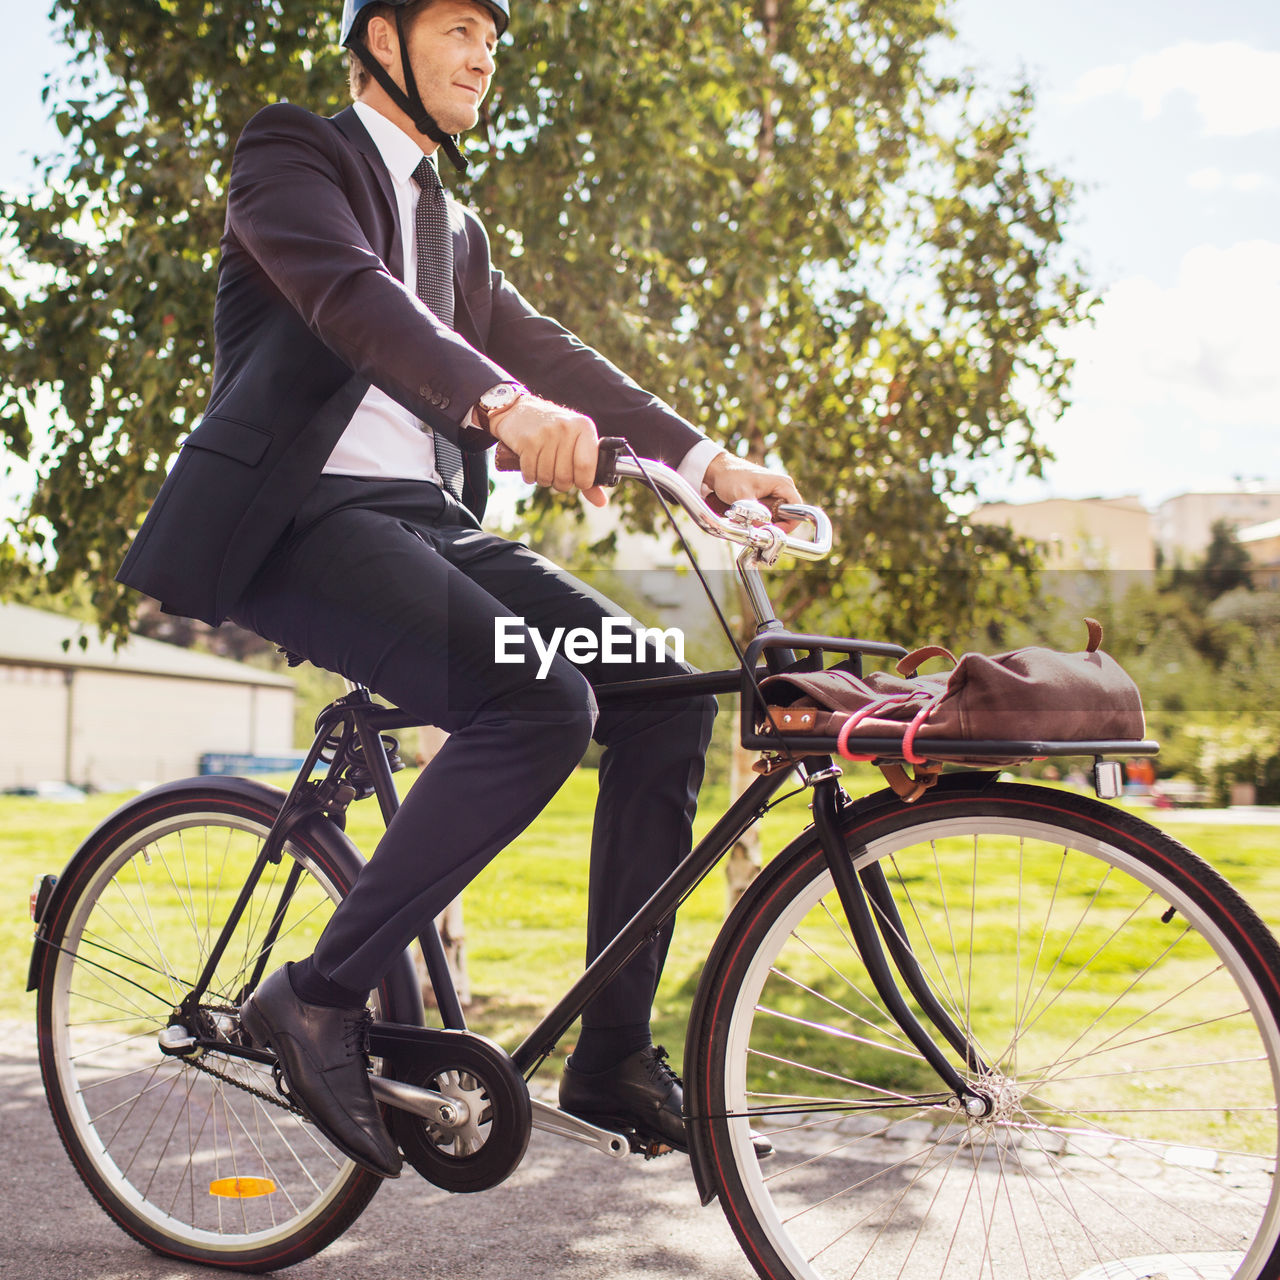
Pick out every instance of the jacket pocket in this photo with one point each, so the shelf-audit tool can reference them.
(231, 438)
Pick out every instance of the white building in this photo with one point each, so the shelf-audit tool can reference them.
(1184, 524)
(1081, 533)
(77, 710)
(1262, 542)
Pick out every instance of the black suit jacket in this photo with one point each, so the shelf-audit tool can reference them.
(310, 311)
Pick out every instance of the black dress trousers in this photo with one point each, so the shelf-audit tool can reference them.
(393, 584)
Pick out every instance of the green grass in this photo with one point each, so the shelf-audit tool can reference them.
(525, 915)
(1083, 990)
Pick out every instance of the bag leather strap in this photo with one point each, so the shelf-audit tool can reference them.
(909, 665)
(908, 788)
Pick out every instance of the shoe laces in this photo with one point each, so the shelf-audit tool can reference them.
(660, 1068)
(355, 1033)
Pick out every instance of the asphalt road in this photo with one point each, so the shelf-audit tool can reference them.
(567, 1213)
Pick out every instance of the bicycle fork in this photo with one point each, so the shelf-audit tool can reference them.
(865, 895)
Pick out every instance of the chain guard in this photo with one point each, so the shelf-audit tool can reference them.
(486, 1149)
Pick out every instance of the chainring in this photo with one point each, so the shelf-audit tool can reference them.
(486, 1147)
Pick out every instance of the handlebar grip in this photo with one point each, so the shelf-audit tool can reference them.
(506, 459)
(611, 448)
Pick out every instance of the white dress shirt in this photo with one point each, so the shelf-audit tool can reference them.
(384, 440)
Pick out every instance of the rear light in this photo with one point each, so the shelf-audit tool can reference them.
(41, 892)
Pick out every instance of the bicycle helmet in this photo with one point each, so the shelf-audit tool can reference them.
(354, 19)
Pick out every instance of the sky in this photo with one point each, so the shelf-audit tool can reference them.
(1167, 117)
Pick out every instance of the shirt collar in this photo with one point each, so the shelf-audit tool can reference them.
(399, 152)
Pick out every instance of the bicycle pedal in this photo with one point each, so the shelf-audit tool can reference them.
(650, 1148)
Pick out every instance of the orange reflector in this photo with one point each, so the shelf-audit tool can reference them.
(241, 1188)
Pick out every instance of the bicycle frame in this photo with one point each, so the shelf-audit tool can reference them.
(360, 722)
(351, 730)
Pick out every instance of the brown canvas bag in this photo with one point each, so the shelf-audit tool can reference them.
(1027, 695)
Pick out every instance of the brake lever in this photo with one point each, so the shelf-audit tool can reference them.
(819, 545)
(796, 511)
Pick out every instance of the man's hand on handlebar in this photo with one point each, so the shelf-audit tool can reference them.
(557, 447)
(732, 479)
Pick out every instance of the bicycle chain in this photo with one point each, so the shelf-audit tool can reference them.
(278, 1099)
(282, 1102)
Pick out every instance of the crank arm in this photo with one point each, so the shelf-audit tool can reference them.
(550, 1119)
(448, 1113)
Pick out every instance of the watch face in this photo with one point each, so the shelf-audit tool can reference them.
(500, 397)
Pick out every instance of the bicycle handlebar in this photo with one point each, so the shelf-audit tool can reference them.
(748, 524)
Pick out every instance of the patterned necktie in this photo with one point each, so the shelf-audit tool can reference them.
(435, 288)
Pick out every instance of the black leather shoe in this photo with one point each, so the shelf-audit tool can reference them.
(641, 1093)
(322, 1051)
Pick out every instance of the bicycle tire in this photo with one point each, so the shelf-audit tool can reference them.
(168, 1150)
(1123, 996)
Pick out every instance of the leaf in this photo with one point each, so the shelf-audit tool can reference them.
(768, 221)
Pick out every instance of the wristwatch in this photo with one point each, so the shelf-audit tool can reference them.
(497, 399)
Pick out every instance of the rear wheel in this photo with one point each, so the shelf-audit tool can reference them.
(198, 1156)
(1124, 1003)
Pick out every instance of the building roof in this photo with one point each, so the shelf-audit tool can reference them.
(34, 637)
(1222, 493)
(1123, 502)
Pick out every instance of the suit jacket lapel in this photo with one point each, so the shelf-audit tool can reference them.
(463, 320)
(349, 122)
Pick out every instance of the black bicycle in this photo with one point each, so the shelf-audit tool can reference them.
(1003, 1031)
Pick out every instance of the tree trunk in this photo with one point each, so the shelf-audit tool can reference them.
(744, 860)
(745, 857)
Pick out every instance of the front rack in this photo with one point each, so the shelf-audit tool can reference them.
(778, 648)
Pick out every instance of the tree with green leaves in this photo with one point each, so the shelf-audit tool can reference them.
(781, 215)
(1225, 566)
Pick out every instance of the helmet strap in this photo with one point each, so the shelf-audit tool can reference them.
(408, 99)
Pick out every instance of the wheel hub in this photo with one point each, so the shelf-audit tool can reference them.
(994, 1099)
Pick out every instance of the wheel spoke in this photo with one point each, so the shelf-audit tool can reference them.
(1130, 1080)
(183, 1149)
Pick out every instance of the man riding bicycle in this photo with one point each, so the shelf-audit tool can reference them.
(367, 356)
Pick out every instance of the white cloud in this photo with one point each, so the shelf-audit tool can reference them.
(1212, 179)
(1232, 84)
(1211, 336)
(1207, 180)
(1176, 388)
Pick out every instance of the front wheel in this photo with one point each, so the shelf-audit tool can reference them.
(1123, 1002)
(197, 1156)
